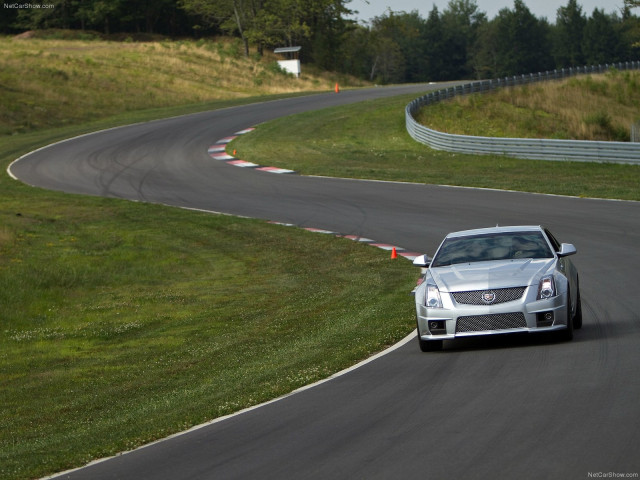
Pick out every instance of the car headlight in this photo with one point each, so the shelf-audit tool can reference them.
(432, 295)
(546, 288)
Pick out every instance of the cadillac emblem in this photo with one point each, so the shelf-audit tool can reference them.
(488, 297)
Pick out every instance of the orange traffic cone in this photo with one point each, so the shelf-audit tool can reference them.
(394, 254)
(337, 88)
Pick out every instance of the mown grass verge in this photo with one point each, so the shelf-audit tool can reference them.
(369, 140)
(122, 322)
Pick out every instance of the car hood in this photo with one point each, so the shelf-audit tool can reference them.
(495, 274)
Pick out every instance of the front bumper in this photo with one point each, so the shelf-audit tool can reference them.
(524, 315)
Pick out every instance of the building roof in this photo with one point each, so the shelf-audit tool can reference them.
(287, 49)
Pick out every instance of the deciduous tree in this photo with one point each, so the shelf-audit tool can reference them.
(601, 39)
(570, 24)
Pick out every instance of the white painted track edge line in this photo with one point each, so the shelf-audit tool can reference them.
(470, 188)
(388, 350)
(345, 371)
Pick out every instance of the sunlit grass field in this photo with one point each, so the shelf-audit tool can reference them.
(589, 107)
(49, 82)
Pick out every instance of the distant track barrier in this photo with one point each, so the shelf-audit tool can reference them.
(530, 148)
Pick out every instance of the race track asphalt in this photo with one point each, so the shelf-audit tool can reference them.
(505, 407)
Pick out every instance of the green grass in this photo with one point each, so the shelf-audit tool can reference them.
(121, 322)
(599, 107)
(369, 140)
(46, 83)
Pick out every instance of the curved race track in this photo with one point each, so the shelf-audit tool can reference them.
(498, 408)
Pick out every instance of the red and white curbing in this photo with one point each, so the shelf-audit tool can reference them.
(222, 156)
(246, 130)
(357, 238)
(218, 152)
(226, 140)
(274, 170)
(243, 164)
(217, 148)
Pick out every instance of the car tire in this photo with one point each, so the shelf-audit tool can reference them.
(430, 345)
(577, 318)
(567, 334)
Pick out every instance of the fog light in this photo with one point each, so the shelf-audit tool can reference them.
(544, 319)
(437, 327)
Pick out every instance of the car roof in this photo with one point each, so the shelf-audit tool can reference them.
(496, 229)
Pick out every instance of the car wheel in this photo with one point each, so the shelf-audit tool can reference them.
(430, 345)
(567, 334)
(577, 318)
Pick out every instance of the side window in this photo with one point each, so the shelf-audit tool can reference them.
(554, 243)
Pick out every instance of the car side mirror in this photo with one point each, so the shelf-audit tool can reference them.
(422, 261)
(567, 249)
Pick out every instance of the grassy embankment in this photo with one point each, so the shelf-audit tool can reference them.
(48, 83)
(122, 322)
(598, 107)
(369, 140)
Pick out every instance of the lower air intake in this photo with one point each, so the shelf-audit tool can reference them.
(480, 323)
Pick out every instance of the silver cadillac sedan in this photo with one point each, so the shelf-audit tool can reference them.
(496, 281)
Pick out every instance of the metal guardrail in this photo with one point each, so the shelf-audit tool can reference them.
(531, 148)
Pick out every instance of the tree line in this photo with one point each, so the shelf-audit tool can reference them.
(458, 43)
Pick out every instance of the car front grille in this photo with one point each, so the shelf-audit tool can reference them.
(501, 295)
(501, 321)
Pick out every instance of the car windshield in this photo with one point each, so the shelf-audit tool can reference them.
(494, 246)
